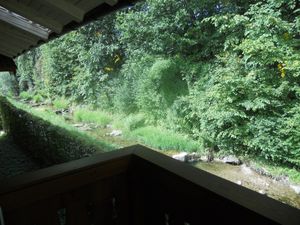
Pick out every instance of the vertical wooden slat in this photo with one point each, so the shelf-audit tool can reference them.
(41, 213)
(76, 207)
(121, 201)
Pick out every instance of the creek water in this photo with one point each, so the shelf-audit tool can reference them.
(242, 175)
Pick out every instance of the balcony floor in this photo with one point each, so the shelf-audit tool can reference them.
(13, 160)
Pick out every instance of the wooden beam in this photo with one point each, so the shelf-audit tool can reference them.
(22, 24)
(65, 7)
(13, 44)
(5, 53)
(111, 2)
(9, 49)
(15, 39)
(11, 30)
(31, 14)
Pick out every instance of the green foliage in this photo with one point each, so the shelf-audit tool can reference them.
(134, 121)
(38, 98)
(225, 72)
(7, 84)
(165, 140)
(98, 117)
(246, 103)
(26, 95)
(61, 103)
(54, 142)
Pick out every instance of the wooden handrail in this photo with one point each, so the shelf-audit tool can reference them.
(135, 186)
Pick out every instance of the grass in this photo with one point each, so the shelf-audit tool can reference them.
(26, 95)
(98, 117)
(279, 170)
(163, 139)
(59, 121)
(134, 121)
(61, 103)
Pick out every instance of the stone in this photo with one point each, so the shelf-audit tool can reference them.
(193, 157)
(246, 170)
(204, 158)
(262, 192)
(109, 126)
(232, 160)
(115, 133)
(239, 182)
(181, 156)
(296, 188)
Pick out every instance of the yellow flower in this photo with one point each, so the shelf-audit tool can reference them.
(108, 69)
(286, 36)
(117, 58)
(281, 69)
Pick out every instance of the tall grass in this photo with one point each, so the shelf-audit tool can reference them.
(61, 103)
(163, 139)
(59, 121)
(98, 117)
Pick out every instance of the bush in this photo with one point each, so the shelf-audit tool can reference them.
(61, 103)
(160, 87)
(26, 95)
(37, 98)
(8, 84)
(134, 121)
(98, 117)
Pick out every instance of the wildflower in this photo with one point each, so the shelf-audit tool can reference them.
(108, 69)
(281, 69)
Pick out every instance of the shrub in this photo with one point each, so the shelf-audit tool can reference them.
(61, 103)
(85, 115)
(134, 121)
(37, 98)
(159, 88)
(26, 95)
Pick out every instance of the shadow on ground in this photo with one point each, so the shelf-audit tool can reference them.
(13, 160)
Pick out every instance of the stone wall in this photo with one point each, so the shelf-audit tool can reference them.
(45, 142)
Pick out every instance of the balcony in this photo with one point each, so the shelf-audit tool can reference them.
(135, 186)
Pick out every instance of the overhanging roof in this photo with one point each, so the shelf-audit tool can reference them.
(25, 24)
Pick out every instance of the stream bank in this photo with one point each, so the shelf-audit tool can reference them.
(278, 189)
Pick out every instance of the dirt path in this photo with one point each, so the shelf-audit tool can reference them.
(13, 160)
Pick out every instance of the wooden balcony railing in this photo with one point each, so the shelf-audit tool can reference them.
(134, 186)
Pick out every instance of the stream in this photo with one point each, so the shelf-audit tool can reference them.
(243, 175)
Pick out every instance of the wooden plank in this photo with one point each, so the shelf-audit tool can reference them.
(31, 14)
(88, 5)
(18, 33)
(101, 204)
(10, 46)
(14, 40)
(250, 200)
(44, 212)
(65, 7)
(5, 53)
(111, 2)
(21, 23)
(35, 186)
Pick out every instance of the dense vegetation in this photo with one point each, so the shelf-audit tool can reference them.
(224, 72)
(47, 138)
